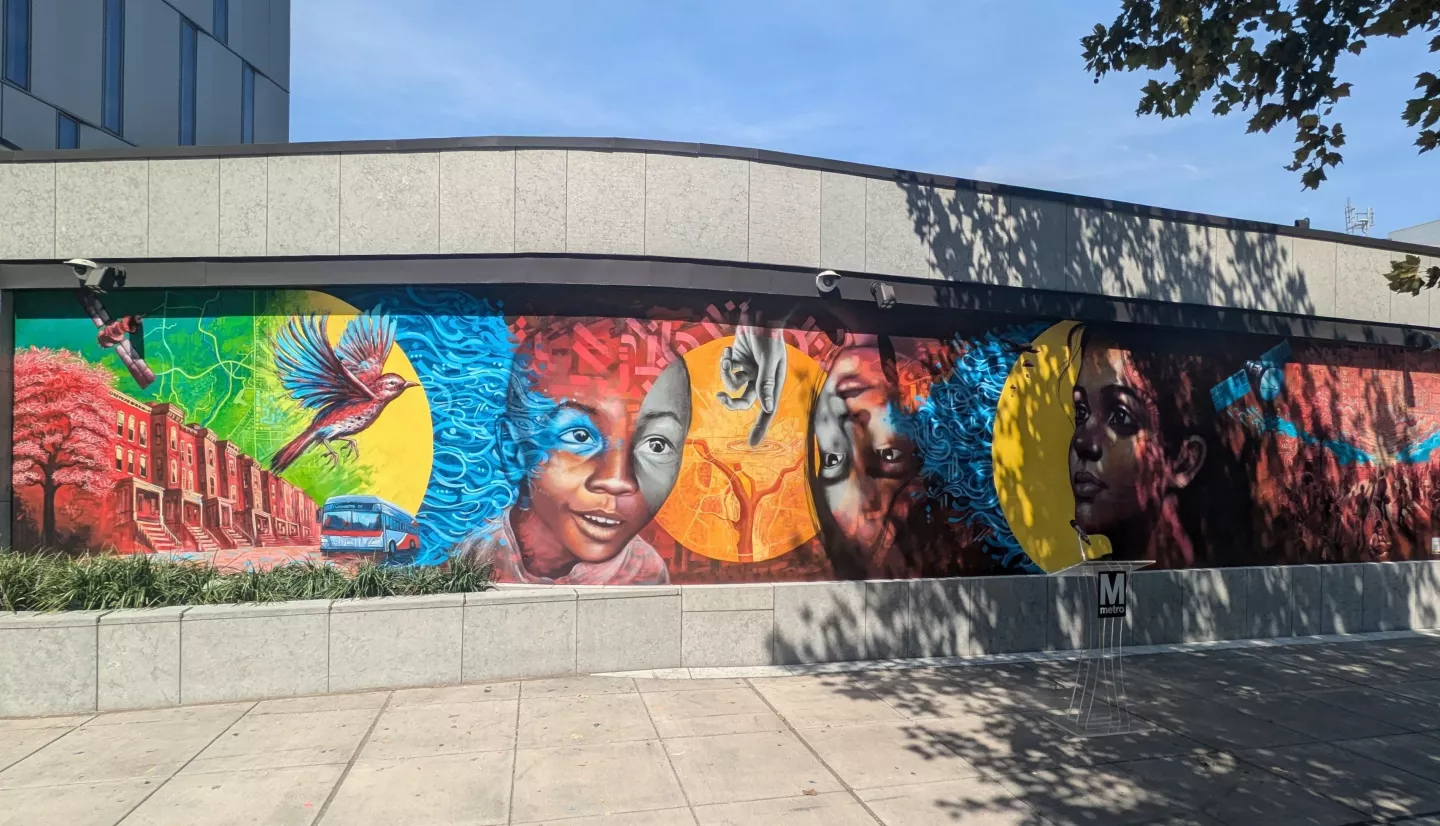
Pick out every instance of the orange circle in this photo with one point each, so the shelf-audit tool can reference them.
(764, 487)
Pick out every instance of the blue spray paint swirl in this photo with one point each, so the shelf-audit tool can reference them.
(488, 424)
(954, 431)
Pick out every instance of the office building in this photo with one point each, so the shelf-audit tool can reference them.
(94, 74)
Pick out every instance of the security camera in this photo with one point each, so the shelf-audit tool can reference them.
(884, 294)
(827, 282)
(95, 276)
(82, 267)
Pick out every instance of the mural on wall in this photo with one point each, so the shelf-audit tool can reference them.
(714, 443)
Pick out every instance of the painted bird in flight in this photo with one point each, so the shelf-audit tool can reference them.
(344, 383)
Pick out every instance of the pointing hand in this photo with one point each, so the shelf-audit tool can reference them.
(754, 368)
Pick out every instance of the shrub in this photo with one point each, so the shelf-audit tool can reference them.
(60, 582)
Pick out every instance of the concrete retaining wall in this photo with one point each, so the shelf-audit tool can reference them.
(98, 660)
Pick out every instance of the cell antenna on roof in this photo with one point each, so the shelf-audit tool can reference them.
(1357, 222)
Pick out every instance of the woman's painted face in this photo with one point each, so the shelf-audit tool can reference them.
(612, 462)
(863, 459)
(1118, 469)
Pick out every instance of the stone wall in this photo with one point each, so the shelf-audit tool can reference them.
(106, 660)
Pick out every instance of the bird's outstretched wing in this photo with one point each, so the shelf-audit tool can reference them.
(365, 345)
(309, 368)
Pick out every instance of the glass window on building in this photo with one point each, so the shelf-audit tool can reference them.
(119, 458)
(67, 132)
(129, 461)
(17, 42)
(247, 104)
(113, 90)
(174, 475)
(144, 467)
(188, 51)
(131, 429)
(222, 21)
(144, 436)
(120, 423)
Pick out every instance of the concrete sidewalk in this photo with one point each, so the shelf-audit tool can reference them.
(1314, 734)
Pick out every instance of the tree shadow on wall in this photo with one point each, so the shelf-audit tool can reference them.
(973, 235)
(1331, 459)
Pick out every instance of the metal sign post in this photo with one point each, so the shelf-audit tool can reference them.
(1098, 703)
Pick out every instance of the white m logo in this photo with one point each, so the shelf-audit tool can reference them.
(1112, 589)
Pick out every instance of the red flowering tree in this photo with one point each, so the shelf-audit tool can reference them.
(63, 416)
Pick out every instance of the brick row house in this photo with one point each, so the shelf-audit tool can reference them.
(182, 488)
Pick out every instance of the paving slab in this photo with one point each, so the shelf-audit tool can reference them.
(1304, 715)
(63, 721)
(834, 809)
(1093, 794)
(1215, 724)
(1417, 754)
(447, 790)
(587, 781)
(215, 712)
(274, 797)
(1426, 691)
(18, 744)
(729, 768)
(887, 754)
(429, 730)
(1349, 778)
(830, 700)
(649, 684)
(272, 741)
(1231, 791)
(1000, 745)
(136, 751)
(478, 693)
(1405, 712)
(322, 702)
(572, 721)
(654, 817)
(975, 800)
(711, 711)
(577, 686)
(86, 804)
(961, 692)
(944, 742)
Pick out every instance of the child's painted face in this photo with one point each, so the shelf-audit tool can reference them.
(614, 458)
(864, 459)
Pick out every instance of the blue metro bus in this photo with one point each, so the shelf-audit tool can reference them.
(366, 524)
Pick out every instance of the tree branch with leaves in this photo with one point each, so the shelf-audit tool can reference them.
(1273, 59)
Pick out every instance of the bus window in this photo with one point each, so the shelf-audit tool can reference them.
(342, 520)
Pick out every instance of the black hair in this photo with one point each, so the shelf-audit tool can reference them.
(1217, 509)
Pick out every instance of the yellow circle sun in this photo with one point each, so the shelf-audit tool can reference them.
(399, 446)
(1034, 422)
(734, 502)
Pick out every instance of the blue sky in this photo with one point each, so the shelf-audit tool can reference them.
(987, 89)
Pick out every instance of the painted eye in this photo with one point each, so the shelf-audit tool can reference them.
(577, 436)
(1120, 417)
(890, 454)
(657, 446)
(831, 460)
(1082, 414)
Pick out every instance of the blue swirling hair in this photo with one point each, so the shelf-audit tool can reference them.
(953, 431)
(481, 408)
